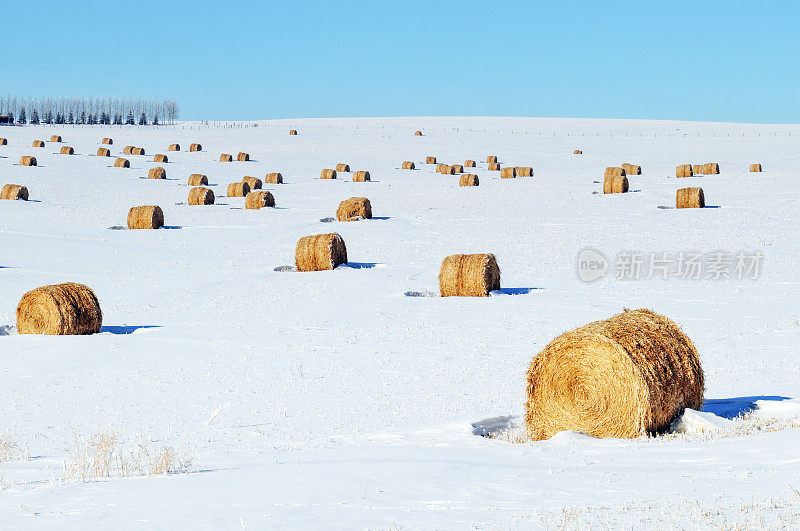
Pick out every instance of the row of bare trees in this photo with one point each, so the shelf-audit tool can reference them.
(90, 111)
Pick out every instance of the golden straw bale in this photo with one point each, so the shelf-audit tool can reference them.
(614, 172)
(469, 275)
(632, 169)
(197, 179)
(408, 165)
(195, 147)
(157, 173)
(27, 161)
(491, 158)
(128, 150)
(14, 191)
(468, 179)
(690, 198)
(293, 132)
(327, 174)
(360, 176)
(755, 168)
(430, 160)
(122, 163)
(174, 147)
(66, 150)
(160, 158)
(457, 168)
(137, 151)
(59, 309)
(3, 141)
(698, 169)
(260, 199)
(711, 168)
(273, 178)
(320, 252)
(469, 163)
(243, 157)
(55, 138)
(448, 170)
(626, 376)
(354, 209)
(494, 166)
(615, 184)
(417, 133)
(440, 166)
(509, 172)
(524, 171)
(225, 157)
(201, 196)
(103, 152)
(107, 141)
(343, 167)
(238, 189)
(577, 152)
(254, 182)
(38, 143)
(145, 217)
(684, 170)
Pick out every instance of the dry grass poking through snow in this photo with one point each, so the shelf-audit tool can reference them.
(10, 450)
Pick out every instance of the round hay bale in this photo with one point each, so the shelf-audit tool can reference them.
(128, 150)
(469, 275)
(626, 376)
(198, 179)
(343, 167)
(27, 160)
(122, 163)
(408, 165)
(273, 178)
(360, 176)
(293, 132)
(698, 169)
(632, 169)
(157, 173)
(260, 199)
(468, 179)
(201, 196)
(524, 171)
(491, 158)
(145, 217)
(469, 163)
(160, 158)
(38, 143)
(614, 171)
(321, 252)
(430, 160)
(684, 170)
(107, 141)
(509, 172)
(440, 166)
(174, 147)
(448, 170)
(59, 309)
(494, 166)
(457, 168)
(690, 198)
(137, 151)
(195, 147)
(238, 189)
(103, 152)
(327, 174)
(254, 182)
(712, 168)
(755, 168)
(243, 157)
(55, 138)
(3, 141)
(66, 150)
(354, 209)
(225, 157)
(577, 152)
(14, 192)
(615, 184)
(417, 133)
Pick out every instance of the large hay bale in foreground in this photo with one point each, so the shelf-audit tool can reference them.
(122, 163)
(201, 196)
(55, 138)
(103, 152)
(327, 173)
(614, 171)
(145, 217)
(157, 173)
(626, 376)
(254, 182)
(174, 147)
(293, 132)
(491, 158)
(524, 171)
(417, 133)
(468, 179)
(226, 157)
(690, 198)
(128, 150)
(615, 184)
(59, 309)
(197, 179)
(195, 147)
(320, 252)
(14, 192)
(684, 170)
(755, 168)
(66, 150)
(38, 143)
(273, 178)
(469, 163)
(577, 152)
(27, 160)
(494, 166)
(360, 176)
(160, 158)
(354, 209)
(259, 199)
(430, 160)
(243, 157)
(408, 165)
(238, 189)
(137, 151)
(632, 169)
(469, 275)
(107, 141)
(343, 167)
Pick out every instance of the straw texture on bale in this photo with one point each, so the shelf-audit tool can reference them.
(225, 157)
(238, 189)
(614, 171)
(457, 168)
(160, 158)
(440, 166)
(195, 147)
(468, 179)
(157, 173)
(360, 176)
(128, 150)
(354, 209)
(327, 173)
(417, 133)
(137, 151)
(174, 147)
(469, 275)
(698, 169)
(755, 168)
(524, 171)
(632, 169)
(66, 150)
(273, 178)
(201, 196)
(242, 157)
(430, 160)
(254, 182)
(38, 143)
(27, 160)
(3, 142)
(343, 167)
(509, 172)
(293, 132)
(145, 217)
(577, 152)
(197, 179)
(59, 309)
(626, 376)
(711, 168)
(55, 138)
(615, 184)
(408, 165)
(107, 141)
(122, 163)
(103, 152)
(14, 191)
(320, 252)
(494, 166)
(260, 199)
(684, 170)
(491, 158)
(690, 198)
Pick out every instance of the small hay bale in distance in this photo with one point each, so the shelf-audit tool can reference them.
(684, 170)
(524, 171)
(66, 150)
(103, 152)
(145, 217)
(614, 171)
(157, 173)
(697, 169)
(509, 172)
(197, 179)
(243, 157)
(632, 169)
(327, 173)
(225, 157)
(361, 176)
(273, 178)
(624, 377)
(468, 179)
(491, 158)
(195, 147)
(14, 192)
(440, 166)
(417, 133)
(27, 160)
(128, 150)
(430, 160)
(3, 141)
(690, 198)
(137, 151)
(343, 167)
(755, 168)
(174, 147)
(59, 309)
(293, 132)
(577, 152)
(448, 170)
(321, 252)
(253, 182)
(408, 165)
(122, 163)
(354, 209)
(38, 143)
(711, 168)
(201, 196)
(238, 189)
(107, 141)
(457, 168)
(469, 275)
(494, 166)
(469, 163)
(259, 199)
(615, 184)
(160, 158)
(55, 138)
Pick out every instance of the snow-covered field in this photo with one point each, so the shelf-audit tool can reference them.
(338, 400)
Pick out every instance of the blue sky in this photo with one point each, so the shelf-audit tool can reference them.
(232, 60)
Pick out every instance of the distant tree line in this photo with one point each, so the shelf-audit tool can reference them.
(89, 111)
